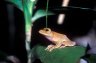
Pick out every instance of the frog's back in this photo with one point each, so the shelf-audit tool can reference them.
(59, 37)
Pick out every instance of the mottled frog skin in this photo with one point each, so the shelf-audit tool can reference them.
(60, 40)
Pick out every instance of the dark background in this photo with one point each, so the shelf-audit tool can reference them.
(77, 23)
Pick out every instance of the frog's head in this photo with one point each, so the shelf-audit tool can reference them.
(46, 32)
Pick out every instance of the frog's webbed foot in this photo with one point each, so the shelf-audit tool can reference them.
(49, 47)
(55, 46)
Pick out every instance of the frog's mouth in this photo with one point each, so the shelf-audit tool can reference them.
(44, 33)
(41, 32)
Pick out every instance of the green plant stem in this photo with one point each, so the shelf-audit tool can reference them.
(47, 13)
(28, 11)
(27, 16)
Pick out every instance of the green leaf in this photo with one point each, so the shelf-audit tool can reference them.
(28, 8)
(27, 16)
(18, 3)
(63, 55)
(31, 5)
(40, 13)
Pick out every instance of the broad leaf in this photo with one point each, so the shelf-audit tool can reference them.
(40, 13)
(63, 55)
(18, 3)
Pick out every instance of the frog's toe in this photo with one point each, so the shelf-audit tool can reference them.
(49, 47)
(46, 49)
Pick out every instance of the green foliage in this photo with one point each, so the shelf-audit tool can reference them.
(63, 55)
(31, 5)
(27, 15)
(40, 13)
(27, 7)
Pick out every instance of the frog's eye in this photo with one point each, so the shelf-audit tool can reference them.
(47, 29)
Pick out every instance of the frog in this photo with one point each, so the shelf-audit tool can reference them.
(59, 40)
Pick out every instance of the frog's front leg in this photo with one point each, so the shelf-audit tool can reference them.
(49, 47)
(55, 46)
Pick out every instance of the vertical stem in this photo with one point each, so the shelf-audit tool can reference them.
(46, 13)
(62, 16)
(27, 17)
(28, 11)
(28, 45)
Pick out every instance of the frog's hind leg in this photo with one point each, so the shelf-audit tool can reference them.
(69, 43)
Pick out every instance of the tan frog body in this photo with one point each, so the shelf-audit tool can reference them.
(60, 40)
